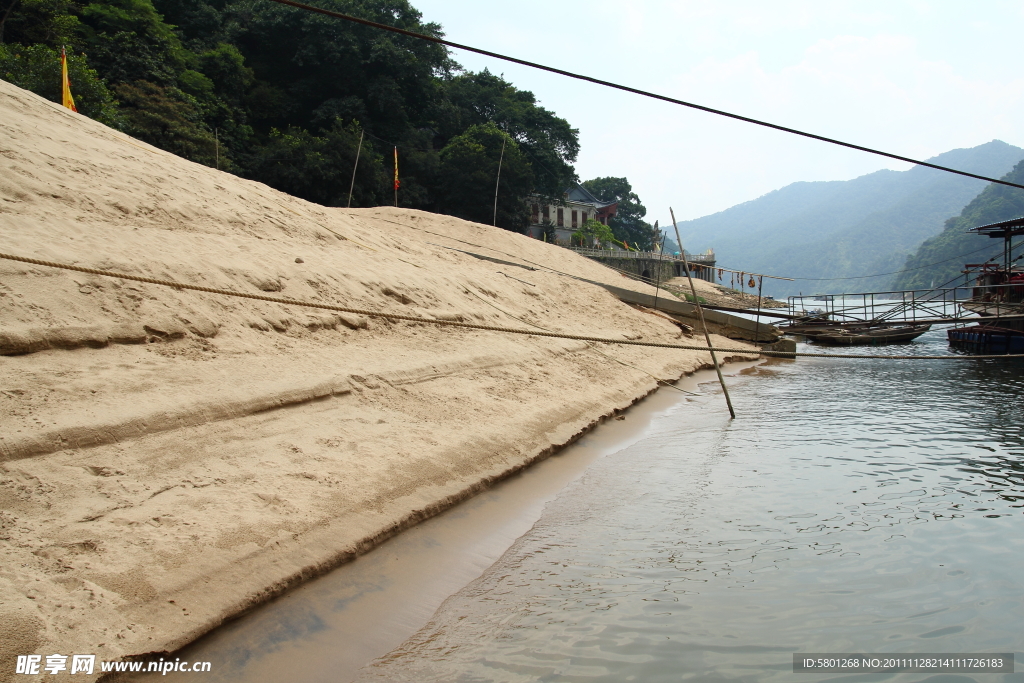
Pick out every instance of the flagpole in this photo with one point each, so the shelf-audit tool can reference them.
(501, 158)
(661, 257)
(396, 176)
(352, 185)
(757, 322)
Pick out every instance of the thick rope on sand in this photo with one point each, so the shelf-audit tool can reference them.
(473, 326)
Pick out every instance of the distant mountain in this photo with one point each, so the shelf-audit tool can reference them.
(845, 229)
(942, 257)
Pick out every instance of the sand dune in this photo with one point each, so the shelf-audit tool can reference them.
(170, 458)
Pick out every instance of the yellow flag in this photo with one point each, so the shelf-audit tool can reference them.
(67, 100)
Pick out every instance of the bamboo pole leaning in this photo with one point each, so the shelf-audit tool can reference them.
(700, 313)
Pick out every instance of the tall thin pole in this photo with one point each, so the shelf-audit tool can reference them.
(707, 336)
(352, 185)
(757, 321)
(216, 145)
(396, 176)
(661, 257)
(498, 181)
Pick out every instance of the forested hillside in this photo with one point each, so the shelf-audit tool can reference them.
(282, 96)
(846, 229)
(941, 258)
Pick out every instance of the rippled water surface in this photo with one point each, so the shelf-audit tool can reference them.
(853, 506)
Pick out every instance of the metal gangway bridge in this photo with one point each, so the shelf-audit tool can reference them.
(941, 306)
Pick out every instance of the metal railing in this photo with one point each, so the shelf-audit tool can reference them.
(699, 259)
(949, 304)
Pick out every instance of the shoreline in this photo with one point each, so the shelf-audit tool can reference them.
(311, 594)
(355, 548)
(196, 455)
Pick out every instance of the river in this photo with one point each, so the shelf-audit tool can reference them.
(853, 506)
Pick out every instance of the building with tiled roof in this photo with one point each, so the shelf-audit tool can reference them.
(577, 207)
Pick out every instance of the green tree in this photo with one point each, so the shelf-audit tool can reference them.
(128, 41)
(628, 224)
(319, 167)
(167, 118)
(199, 24)
(550, 144)
(593, 232)
(310, 71)
(284, 90)
(137, 57)
(37, 68)
(317, 69)
(225, 66)
(469, 169)
(46, 22)
(218, 84)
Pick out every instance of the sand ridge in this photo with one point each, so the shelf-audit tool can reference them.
(169, 458)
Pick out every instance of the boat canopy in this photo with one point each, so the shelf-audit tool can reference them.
(1004, 229)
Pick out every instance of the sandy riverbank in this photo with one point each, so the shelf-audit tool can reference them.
(171, 458)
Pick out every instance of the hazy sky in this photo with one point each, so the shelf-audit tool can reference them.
(915, 78)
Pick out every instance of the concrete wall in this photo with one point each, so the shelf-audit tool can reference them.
(718, 322)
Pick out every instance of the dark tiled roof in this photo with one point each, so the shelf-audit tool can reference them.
(581, 194)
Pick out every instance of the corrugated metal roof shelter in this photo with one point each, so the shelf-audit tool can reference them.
(1006, 230)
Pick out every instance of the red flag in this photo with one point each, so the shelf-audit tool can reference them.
(397, 183)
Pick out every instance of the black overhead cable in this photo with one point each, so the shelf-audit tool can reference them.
(637, 91)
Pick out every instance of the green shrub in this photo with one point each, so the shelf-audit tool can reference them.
(689, 297)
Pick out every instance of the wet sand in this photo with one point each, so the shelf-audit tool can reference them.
(329, 628)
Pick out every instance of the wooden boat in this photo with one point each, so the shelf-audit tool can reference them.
(868, 336)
